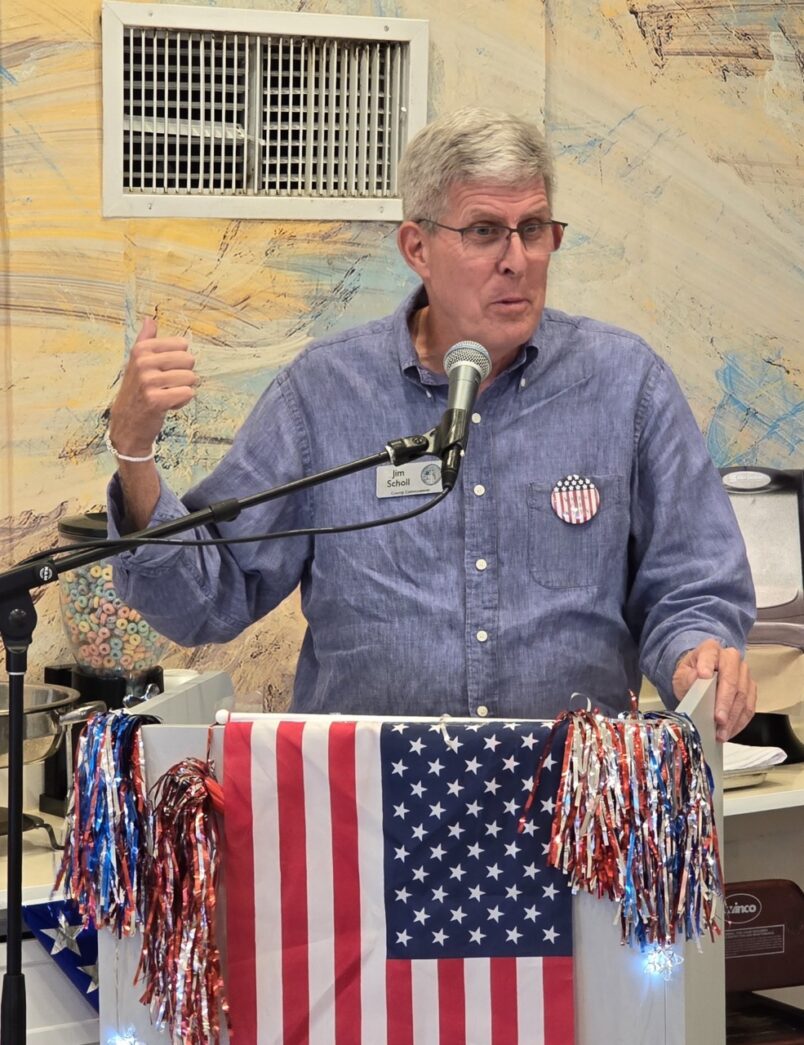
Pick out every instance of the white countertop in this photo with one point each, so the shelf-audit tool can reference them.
(783, 788)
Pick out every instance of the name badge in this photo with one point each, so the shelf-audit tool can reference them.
(413, 477)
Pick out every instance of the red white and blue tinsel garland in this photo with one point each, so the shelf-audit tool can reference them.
(635, 822)
(131, 864)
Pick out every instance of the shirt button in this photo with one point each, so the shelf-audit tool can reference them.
(482, 636)
(482, 711)
(481, 564)
(480, 489)
(475, 419)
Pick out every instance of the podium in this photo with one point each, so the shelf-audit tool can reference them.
(616, 999)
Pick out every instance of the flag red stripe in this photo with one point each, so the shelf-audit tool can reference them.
(241, 986)
(451, 1002)
(559, 1007)
(504, 1022)
(293, 876)
(345, 882)
(399, 1001)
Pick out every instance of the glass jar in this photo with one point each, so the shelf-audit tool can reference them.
(107, 637)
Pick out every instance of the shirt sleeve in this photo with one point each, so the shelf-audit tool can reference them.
(689, 573)
(195, 595)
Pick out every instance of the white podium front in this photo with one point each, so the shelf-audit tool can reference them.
(616, 999)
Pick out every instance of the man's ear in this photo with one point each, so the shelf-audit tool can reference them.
(414, 247)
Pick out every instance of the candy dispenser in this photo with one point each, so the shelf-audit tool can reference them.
(116, 652)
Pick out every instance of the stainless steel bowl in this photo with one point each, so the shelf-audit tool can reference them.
(48, 712)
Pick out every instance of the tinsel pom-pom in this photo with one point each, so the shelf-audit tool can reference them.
(634, 821)
(106, 849)
(180, 962)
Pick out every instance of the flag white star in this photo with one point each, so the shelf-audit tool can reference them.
(455, 788)
(64, 937)
(457, 915)
(476, 892)
(399, 727)
(529, 828)
(531, 870)
(492, 743)
(439, 894)
(511, 725)
(545, 848)
(435, 767)
(420, 916)
(492, 787)
(550, 891)
(401, 853)
(418, 832)
(493, 872)
(510, 763)
(512, 892)
(512, 935)
(548, 805)
(511, 806)
(527, 783)
(403, 937)
(453, 744)
(473, 808)
(457, 872)
(511, 849)
(529, 741)
(475, 850)
(493, 829)
(549, 762)
(495, 914)
(440, 937)
(417, 745)
(531, 913)
(401, 810)
(402, 894)
(476, 935)
(92, 972)
(437, 851)
(398, 767)
(417, 789)
(550, 934)
(456, 830)
(472, 765)
(420, 874)
(437, 810)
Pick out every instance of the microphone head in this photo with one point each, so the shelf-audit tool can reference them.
(468, 352)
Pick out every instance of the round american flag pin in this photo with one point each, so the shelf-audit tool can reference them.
(575, 499)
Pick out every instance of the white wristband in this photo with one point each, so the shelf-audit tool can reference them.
(124, 457)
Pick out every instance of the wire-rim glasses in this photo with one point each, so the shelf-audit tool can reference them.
(489, 237)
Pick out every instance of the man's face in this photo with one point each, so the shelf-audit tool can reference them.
(495, 298)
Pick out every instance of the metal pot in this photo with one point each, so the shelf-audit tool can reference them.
(48, 712)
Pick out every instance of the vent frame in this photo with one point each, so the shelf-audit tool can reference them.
(170, 149)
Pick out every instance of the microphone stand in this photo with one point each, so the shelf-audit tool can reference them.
(17, 623)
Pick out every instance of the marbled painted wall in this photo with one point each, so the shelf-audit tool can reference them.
(678, 135)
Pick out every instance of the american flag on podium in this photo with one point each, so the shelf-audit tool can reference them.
(378, 892)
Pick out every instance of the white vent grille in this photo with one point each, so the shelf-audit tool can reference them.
(244, 122)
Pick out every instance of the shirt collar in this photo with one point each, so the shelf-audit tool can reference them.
(408, 360)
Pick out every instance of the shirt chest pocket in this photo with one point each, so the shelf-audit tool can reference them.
(579, 555)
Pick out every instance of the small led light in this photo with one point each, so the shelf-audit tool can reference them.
(661, 961)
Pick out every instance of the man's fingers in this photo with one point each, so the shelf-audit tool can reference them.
(145, 346)
(706, 658)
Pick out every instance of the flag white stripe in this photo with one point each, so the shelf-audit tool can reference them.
(370, 862)
(477, 984)
(320, 918)
(425, 1002)
(530, 1001)
(265, 818)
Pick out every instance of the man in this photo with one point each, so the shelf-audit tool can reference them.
(498, 602)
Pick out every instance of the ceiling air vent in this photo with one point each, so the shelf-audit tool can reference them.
(211, 112)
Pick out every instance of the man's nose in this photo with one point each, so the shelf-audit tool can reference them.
(513, 256)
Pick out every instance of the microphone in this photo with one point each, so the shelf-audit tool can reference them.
(467, 365)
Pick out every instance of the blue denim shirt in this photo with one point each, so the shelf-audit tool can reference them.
(489, 601)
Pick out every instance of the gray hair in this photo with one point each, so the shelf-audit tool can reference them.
(470, 145)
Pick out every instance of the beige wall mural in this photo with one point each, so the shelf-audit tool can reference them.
(677, 130)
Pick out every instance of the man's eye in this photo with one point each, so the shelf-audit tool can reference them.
(533, 229)
(485, 231)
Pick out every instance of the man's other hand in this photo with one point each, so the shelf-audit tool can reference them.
(736, 696)
(159, 377)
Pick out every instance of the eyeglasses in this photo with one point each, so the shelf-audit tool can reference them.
(486, 237)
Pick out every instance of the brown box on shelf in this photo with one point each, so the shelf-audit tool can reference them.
(764, 935)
